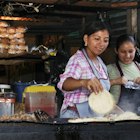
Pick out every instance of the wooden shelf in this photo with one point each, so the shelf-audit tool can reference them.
(12, 59)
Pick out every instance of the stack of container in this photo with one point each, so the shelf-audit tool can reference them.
(12, 39)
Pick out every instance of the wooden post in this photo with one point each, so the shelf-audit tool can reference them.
(132, 19)
(138, 26)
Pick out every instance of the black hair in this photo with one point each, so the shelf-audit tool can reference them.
(95, 27)
(124, 38)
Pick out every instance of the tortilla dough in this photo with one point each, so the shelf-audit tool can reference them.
(102, 102)
(82, 120)
(127, 116)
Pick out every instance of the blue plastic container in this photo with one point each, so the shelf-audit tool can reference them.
(18, 88)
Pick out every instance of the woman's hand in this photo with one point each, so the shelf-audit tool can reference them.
(123, 80)
(119, 81)
(137, 80)
(93, 85)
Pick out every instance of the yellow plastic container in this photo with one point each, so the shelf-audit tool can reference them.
(41, 97)
(40, 88)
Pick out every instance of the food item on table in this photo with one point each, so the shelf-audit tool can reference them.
(127, 116)
(19, 117)
(109, 118)
(94, 119)
(102, 102)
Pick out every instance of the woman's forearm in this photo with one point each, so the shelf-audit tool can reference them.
(118, 81)
(72, 84)
(114, 82)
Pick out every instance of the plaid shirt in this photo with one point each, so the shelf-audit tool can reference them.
(77, 68)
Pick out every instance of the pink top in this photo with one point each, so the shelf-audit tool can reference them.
(77, 68)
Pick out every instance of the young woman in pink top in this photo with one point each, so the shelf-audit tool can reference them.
(85, 72)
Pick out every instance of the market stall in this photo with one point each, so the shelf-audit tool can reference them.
(15, 50)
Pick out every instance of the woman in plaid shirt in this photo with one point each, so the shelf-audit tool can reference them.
(85, 73)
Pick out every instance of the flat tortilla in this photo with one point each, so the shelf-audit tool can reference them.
(101, 103)
(82, 120)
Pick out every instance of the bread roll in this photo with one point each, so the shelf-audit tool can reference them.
(21, 41)
(3, 24)
(4, 40)
(3, 48)
(3, 29)
(20, 51)
(11, 30)
(19, 35)
(22, 47)
(13, 47)
(4, 35)
(20, 29)
(13, 42)
(11, 51)
(11, 36)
